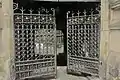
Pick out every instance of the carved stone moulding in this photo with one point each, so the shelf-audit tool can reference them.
(114, 4)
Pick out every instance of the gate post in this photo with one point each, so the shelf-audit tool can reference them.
(104, 41)
(6, 39)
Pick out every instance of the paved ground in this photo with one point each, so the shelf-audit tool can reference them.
(62, 75)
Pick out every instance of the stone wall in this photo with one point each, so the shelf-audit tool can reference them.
(113, 62)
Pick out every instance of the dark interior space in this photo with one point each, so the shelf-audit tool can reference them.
(61, 9)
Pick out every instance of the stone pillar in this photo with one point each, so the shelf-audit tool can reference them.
(104, 41)
(6, 39)
(0, 28)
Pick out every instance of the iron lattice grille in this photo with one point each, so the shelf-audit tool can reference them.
(35, 43)
(83, 40)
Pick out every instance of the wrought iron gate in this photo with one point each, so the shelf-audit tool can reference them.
(35, 42)
(83, 37)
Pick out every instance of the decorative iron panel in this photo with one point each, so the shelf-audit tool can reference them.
(35, 43)
(83, 41)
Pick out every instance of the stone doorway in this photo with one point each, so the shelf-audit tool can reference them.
(61, 21)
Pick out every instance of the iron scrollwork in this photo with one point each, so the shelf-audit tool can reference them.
(83, 39)
(35, 42)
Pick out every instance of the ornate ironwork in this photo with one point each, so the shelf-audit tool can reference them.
(35, 42)
(83, 35)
